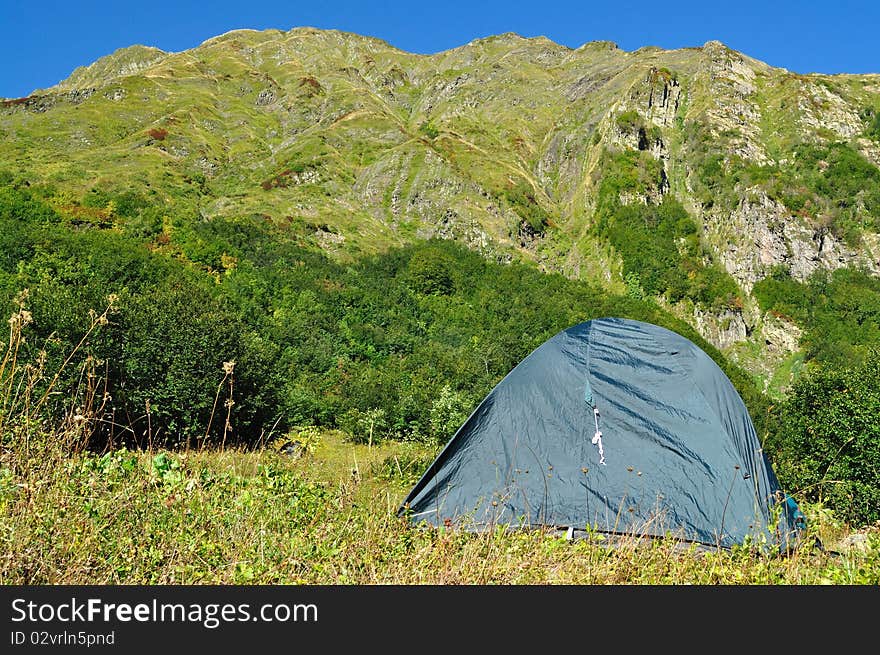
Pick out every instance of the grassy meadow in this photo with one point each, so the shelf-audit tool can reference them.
(326, 515)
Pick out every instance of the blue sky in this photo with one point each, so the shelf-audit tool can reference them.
(41, 42)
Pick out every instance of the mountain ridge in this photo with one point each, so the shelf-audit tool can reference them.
(68, 82)
(140, 48)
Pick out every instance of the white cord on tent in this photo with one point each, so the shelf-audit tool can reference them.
(597, 438)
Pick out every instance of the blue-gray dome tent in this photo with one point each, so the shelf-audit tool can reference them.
(614, 426)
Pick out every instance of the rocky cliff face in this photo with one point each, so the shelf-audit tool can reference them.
(497, 143)
(760, 234)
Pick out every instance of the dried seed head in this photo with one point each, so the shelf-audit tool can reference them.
(228, 367)
(20, 319)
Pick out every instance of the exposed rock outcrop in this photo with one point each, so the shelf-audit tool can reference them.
(761, 234)
(820, 108)
(731, 82)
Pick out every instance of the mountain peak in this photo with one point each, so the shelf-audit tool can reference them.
(120, 63)
(714, 44)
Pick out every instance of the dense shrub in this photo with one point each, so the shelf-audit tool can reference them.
(659, 244)
(826, 440)
(872, 122)
(839, 311)
(521, 197)
(834, 184)
(429, 130)
(193, 362)
(164, 343)
(430, 272)
(629, 121)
